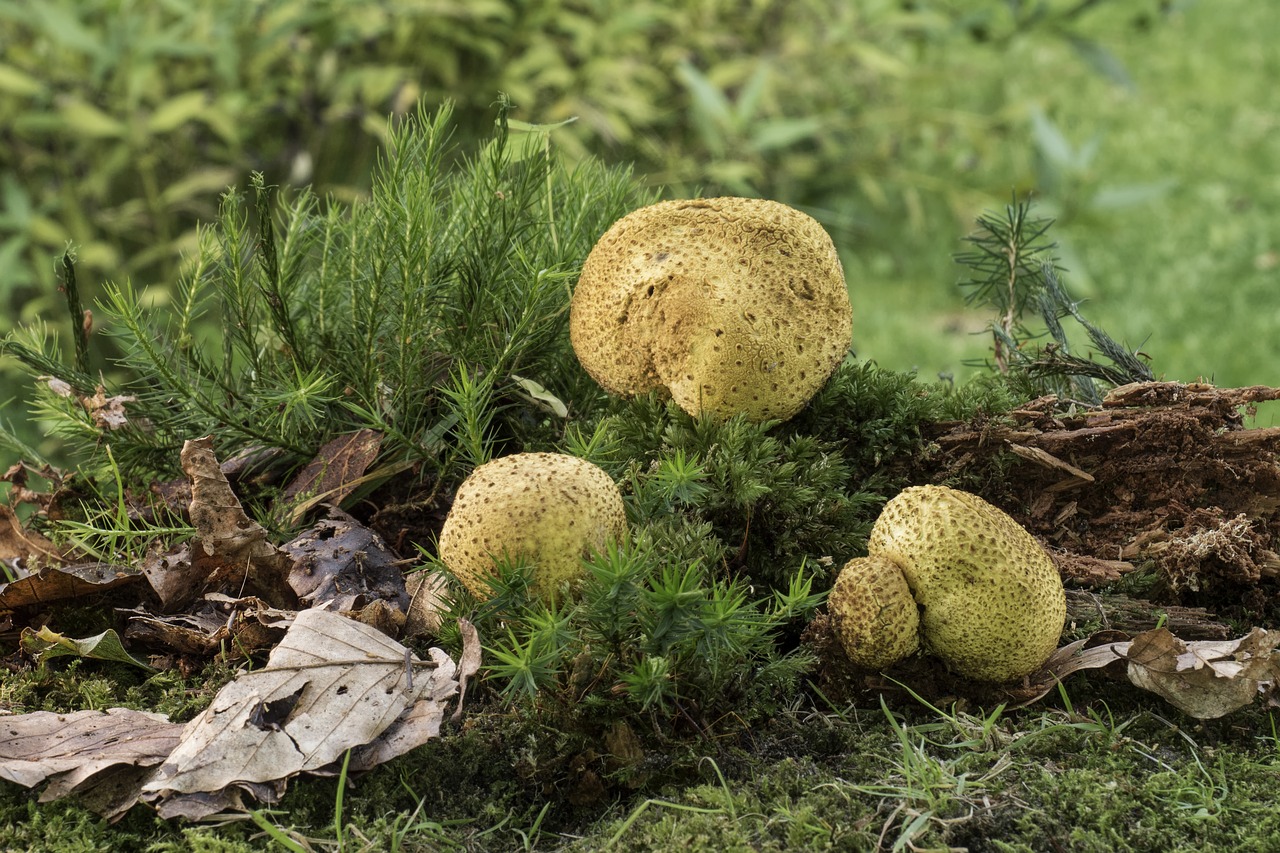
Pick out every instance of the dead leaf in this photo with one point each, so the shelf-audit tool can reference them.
(468, 661)
(26, 546)
(419, 724)
(1208, 678)
(429, 601)
(107, 412)
(334, 472)
(342, 563)
(235, 546)
(56, 583)
(331, 685)
(102, 755)
(236, 628)
(174, 577)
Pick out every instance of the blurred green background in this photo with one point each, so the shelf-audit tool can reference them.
(1148, 128)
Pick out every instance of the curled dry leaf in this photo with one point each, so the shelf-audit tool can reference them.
(1204, 679)
(468, 662)
(22, 545)
(342, 563)
(235, 546)
(55, 583)
(429, 600)
(334, 473)
(101, 753)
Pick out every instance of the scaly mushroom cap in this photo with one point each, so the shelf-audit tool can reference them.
(548, 508)
(873, 613)
(993, 603)
(732, 304)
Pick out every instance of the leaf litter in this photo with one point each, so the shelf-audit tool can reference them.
(332, 684)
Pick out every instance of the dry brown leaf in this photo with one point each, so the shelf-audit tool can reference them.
(1208, 678)
(174, 577)
(26, 546)
(237, 627)
(331, 685)
(235, 546)
(1205, 679)
(101, 755)
(429, 601)
(55, 583)
(468, 661)
(335, 470)
(107, 412)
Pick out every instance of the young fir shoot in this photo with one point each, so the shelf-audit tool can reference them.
(1013, 269)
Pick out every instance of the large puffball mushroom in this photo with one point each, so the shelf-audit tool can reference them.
(732, 304)
(548, 508)
(991, 602)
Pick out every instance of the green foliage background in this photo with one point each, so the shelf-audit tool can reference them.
(1146, 127)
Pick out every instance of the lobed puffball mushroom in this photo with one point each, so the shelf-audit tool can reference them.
(734, 305)
(983, 595)
(548, 508)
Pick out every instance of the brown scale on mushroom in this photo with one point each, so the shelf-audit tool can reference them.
(717, 300)
(548, 508)
(991, 602)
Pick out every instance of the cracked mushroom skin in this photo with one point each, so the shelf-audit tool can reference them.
(734, 305)
(548, 508)
(992, 602)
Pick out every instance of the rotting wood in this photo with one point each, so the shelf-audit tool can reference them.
(1134, 615)
(1162, 476)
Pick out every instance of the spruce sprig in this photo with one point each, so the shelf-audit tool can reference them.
(1013, 270)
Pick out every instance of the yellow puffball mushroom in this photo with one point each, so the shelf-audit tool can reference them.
(990, 600)
(734, 305)
(548, 508)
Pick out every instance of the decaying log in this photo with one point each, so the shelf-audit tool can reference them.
(1163, 477)
(1135, 615)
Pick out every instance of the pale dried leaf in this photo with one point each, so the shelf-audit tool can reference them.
(416, 726)
(1205, 679)
(429, 601)
(468, 662)
(331, 685)
(102, 756)
(236, 545)
(107, 412)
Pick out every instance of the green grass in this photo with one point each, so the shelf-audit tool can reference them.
(1103, 772)
(1190, 271)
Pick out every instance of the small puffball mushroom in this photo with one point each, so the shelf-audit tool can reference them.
(731, 304)
(873, 613)
(991, 602)
(548, 508)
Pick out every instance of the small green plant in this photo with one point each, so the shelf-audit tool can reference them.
(1013, 271)
(412, 313)
(651, 632)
